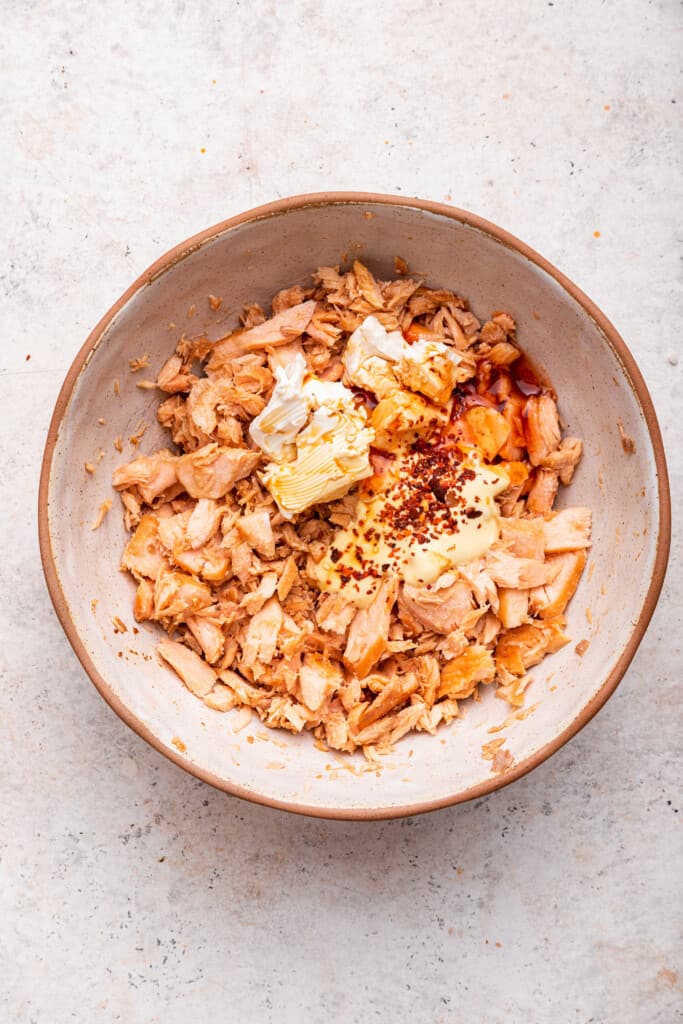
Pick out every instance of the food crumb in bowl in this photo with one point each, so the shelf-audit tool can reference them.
(89, 468)
(139, 363)
(400, 265)
(116, 387)
(488, 750)
(119, 626)
(215, 303)
(99, 518)
(178, 744)
(146, 385)
(502, 760)
(140, 431)
(93, 605)
(582, 647)
(102, 422)
(515, 716)
(627, 443)
(241, 719)
(118, 443)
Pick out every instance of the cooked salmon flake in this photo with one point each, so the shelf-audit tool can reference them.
(102, 512)
(431, 566)
(138, 364)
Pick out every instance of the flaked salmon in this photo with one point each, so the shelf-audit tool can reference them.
(253, 622)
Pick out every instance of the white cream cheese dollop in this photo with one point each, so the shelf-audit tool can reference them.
(316, 436)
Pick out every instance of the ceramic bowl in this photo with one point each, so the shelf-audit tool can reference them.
(602, 398)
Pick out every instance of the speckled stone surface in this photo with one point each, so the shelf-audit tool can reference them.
(130, 892)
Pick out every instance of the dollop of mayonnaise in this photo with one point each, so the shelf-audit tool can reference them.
(316, 437)
(428, 511)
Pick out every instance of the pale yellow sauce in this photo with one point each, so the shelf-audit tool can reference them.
(425, 514)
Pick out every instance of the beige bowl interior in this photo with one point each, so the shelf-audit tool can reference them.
(250, 261)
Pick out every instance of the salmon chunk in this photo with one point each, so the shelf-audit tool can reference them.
(319, 678)
(279, 330)
(565, 460)
(507, 571)
(208, 634)
(552, 599)
(177, 595)
(260, 642)
(441, 610)
(143, 608)
(541, 427)
(211, 471)
(198, 677)
(203, 522)
(256, 529)
(143, 555)
(395, 693)
(461, 675)
(543, 490)
(523, 538)
(369, 630)
(513, 607)
(520, 648)
(567, 530)
(151, 474)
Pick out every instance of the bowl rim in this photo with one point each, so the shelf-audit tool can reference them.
(322, 199)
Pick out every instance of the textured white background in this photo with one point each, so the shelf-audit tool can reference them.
(130, 892)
